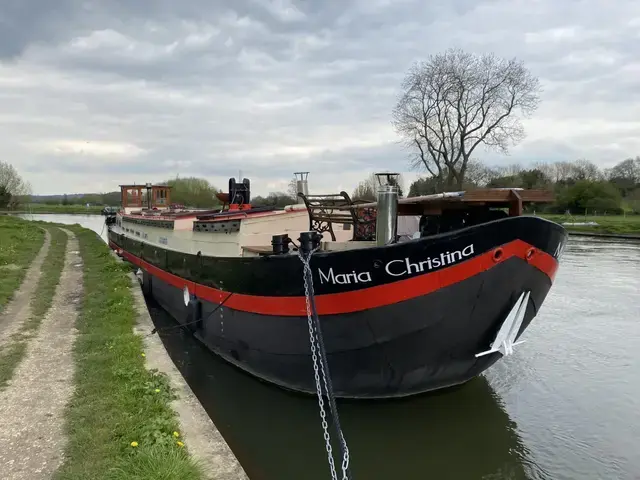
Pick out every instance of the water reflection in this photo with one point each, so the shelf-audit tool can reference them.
(463, 433)
(603, 248)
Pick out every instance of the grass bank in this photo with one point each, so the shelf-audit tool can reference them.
(14, 351)
(19, 244)
(44, 208)
(120, 423)
(612, 224)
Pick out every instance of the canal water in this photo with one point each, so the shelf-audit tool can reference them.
(566, 405)
(93, 222)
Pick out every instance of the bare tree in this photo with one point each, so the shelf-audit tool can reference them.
(513, 169)
(367, 189)
(561, 171)
(12, 186)
(457, 101)
(478, 174)
(583, 169)
(292, 189)
(628, 169)
(549, 170)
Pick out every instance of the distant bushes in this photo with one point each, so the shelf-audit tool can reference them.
(580, 187)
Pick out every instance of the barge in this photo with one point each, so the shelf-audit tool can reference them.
(412, 294)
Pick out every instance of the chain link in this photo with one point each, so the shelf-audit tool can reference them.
(318, 368)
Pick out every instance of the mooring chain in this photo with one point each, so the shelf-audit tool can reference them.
(315, 344)
(312, 339)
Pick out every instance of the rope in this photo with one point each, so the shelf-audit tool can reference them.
(315, 336)
(176, 327)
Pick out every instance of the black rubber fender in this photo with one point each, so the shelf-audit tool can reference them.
(147, 280)
(194, 315)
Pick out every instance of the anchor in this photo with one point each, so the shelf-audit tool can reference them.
(504, 341)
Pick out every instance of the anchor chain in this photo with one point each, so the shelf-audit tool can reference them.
(321, 368)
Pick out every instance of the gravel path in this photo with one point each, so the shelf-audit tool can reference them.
(32, 406)
(18, 310)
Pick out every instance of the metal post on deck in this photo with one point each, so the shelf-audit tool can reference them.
(302, 186)
(387, 208)
(149, 190)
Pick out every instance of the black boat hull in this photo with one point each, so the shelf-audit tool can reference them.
(396, 320)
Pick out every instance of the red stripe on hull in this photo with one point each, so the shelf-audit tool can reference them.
(365, 298)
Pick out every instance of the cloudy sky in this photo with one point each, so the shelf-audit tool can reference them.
(101, 92)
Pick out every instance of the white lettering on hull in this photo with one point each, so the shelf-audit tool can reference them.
(398, 267)
(344, 278)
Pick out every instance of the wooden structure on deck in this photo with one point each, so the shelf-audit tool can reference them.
(512, 198)
(439, 212)
(145, 196)
(338, 208)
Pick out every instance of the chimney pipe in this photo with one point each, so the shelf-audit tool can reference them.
(302, 185)
(387, 208)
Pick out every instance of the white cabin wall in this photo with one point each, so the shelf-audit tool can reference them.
(215, 244)
(183, 224)
(163, 237)
(209, 243)
(254, 231)
(259, 230)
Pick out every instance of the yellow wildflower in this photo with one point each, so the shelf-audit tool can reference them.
(180, 444)
(176, 434)
(134, 444)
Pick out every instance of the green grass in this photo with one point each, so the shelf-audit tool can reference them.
(10, 357)
(19, 244)
(117, 401)
(49, 278)
(12, 354)
(613, 224)
(44, 208)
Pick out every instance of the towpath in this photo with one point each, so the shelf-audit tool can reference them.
(32, 406)
(206, 443)
(45, 427)
(18, 311)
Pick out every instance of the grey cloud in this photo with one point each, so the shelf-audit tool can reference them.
(276, 86)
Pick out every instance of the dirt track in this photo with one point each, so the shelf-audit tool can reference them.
(18, 310)
(32, 406)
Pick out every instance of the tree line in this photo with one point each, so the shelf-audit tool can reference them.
(109, 198)
(579, 187)
(188, 191)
